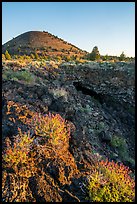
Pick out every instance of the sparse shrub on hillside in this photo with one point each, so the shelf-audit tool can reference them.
(54, 49)
(19, 50)
(73, 57)
(3, 57)
(7, 55)
(111, 182)
(21, 58)
(32, 56)
(62, 50)
(64, 57)
(36, 55)
(68, 58)
(46, 58)
(27, 57)
(105, 58)
(16, 56)
(18, 75)
(59, 58)
(79, 60)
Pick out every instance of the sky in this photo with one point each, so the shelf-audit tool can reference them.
(108, 25)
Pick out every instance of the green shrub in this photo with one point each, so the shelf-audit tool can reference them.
(111, 182)
(19, 75)
(7, 74)
(120, 144)
(24, 75)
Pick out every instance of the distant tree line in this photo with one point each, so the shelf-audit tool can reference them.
(95, 56)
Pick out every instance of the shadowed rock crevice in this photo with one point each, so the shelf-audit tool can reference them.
(86, 91)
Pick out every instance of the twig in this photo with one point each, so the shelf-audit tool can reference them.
(72, 195)
(60, 190)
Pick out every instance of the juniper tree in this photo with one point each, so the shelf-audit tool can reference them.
(122, 56)
(94, 55)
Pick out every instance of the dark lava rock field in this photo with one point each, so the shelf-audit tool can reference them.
(97, 99)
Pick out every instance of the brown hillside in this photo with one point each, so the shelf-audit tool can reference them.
(43, 42)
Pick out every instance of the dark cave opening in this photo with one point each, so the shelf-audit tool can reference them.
(86, 91)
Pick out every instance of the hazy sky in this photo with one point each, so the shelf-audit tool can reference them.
(108, 25)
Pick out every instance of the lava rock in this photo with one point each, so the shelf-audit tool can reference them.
(105, 136)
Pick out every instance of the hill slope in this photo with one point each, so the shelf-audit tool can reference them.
(43, 42)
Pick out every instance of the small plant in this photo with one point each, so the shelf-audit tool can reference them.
(120, 144)
(58, 92)
(18, 75)
(53, 127)
(36, 55)
(111, 182)
(24, 75)
(7, 55)
(19, 152)
(32, 56)
(3, 57)
(6, 74)
(18, 166)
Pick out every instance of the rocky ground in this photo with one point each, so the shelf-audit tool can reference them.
(97, 99)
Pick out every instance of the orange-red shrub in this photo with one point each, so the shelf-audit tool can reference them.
(19, 152)
(51, 126)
